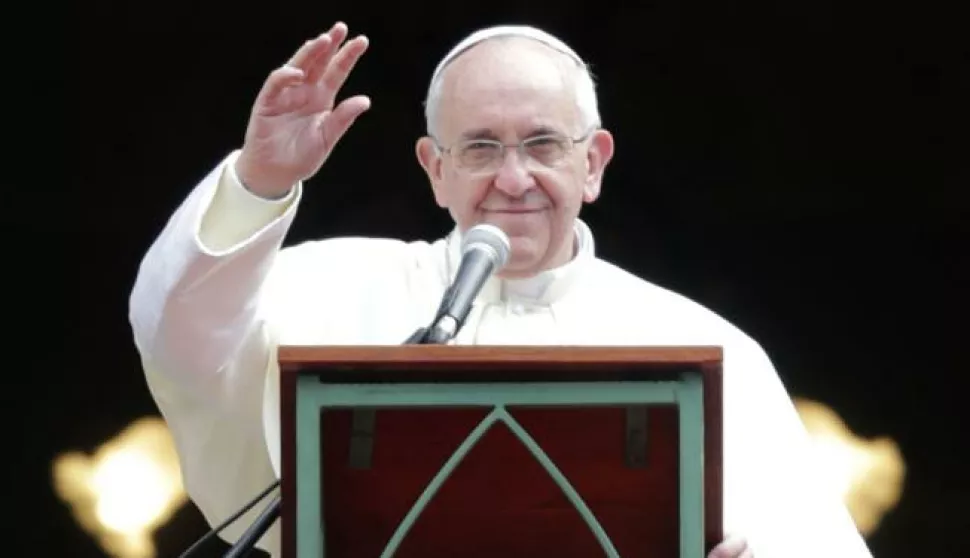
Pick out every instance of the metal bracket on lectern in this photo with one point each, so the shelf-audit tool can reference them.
(362, 435)
(362, 438)
(636, 437)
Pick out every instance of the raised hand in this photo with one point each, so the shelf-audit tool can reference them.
(294, 124)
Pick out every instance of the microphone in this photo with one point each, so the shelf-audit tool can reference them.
(484, 251)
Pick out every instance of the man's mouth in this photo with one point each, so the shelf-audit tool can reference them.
(515, 210)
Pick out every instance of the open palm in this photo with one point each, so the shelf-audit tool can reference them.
(294, 123)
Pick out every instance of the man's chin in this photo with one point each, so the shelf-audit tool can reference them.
(523, 262)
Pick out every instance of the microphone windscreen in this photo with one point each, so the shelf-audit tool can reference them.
(488, 237)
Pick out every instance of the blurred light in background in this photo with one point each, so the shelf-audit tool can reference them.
(867, 473)
(132, 484)
(126, 490)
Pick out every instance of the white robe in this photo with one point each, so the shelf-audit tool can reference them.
(215, 295)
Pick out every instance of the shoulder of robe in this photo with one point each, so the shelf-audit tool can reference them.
(335, 266)
(356, 253)
(640, 297)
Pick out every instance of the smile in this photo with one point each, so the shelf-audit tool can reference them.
(514, 211)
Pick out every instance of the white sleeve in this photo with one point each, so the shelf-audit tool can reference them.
(195, 296)
(773, 495)
(196, 319)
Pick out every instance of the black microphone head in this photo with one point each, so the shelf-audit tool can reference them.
(490, 239)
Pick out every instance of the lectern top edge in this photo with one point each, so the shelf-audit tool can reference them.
(296, 355)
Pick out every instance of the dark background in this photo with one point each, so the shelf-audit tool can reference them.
(782, 163)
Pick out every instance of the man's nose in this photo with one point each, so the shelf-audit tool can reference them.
(513, 177)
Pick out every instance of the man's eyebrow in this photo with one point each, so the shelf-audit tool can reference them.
(485, 133)
(477, 133)
(543, 130)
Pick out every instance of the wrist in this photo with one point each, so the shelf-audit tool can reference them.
(256, 185)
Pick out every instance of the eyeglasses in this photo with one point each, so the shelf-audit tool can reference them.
(485, 155)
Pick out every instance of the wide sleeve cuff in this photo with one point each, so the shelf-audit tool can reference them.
(235, 215)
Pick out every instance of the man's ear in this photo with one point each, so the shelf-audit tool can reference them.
(598, 155)
(430, 161)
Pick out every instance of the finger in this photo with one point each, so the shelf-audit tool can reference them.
(343, 63)
(334, 125)
(748, 553)
(311, 50)
(278, 80)
(338, 33)
(321, 57)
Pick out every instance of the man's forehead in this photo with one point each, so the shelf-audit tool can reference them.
(510, 85)
(504, 95)
(508, 72)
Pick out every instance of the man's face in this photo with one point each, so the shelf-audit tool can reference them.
(512, 91)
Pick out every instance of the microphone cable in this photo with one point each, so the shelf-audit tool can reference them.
(219, 528)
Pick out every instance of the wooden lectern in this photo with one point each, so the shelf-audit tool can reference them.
(432, 451)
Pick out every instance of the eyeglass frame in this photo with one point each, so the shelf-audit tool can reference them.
(519, 148)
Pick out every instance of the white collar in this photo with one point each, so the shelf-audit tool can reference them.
(544, 288)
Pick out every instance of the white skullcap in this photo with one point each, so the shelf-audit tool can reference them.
(523, 31)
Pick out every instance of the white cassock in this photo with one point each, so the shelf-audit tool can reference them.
(215, 295)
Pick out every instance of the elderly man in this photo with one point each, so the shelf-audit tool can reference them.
(514, 140)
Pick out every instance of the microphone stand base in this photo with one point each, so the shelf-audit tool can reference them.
(419, 337)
